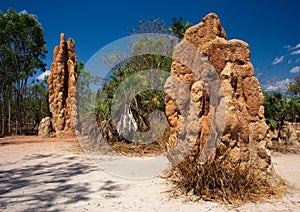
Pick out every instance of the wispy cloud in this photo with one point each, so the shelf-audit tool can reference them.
(278, 86)
(278, 60)
(295, 70)
(290, 48)
(296, 47)
(295, 52)
(43, 75)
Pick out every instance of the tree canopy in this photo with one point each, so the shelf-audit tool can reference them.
(294, 87)
(178, 27)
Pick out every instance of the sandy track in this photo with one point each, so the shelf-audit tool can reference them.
(54, 175)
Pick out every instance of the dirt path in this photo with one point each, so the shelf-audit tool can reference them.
(38, 175)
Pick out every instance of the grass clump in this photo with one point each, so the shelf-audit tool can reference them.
(223, 181)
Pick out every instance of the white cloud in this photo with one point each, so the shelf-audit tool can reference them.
(295, 70)
(278, 60)
(290, 61)
(43, 75)
(296, 47)
(295, 52)
(293, 49)
(23, 12)
(279, 86)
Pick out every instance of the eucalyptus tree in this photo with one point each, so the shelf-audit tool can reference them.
(22, 50)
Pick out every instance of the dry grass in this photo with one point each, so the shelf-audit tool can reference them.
(214, 181)
(285, 149)
(136, 150)
(128, 149)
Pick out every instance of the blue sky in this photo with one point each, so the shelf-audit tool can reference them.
(271, 28)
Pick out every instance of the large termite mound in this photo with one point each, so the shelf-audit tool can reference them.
(232, 125)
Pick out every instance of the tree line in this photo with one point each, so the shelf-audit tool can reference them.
(22, 51)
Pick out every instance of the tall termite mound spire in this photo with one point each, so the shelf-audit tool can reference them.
(62, 87)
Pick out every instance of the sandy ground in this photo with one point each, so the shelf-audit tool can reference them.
(39, 175)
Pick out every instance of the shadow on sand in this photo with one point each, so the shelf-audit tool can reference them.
(46, 184)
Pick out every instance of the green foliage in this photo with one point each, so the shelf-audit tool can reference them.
(22, 50)
(294, 87)
(279, 108)
(102, 107)
(150, 53)
(85, 94)
(36, 103)
(178, 28)
(22, 44)
(149, 100)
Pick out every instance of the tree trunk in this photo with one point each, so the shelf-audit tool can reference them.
(18, 106)
(3, 119)
(9, 118)
(3, 113)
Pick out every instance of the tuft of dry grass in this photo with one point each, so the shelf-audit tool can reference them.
(215, 181)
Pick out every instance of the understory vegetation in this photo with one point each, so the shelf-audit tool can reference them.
(281, 109)
(136, 110)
